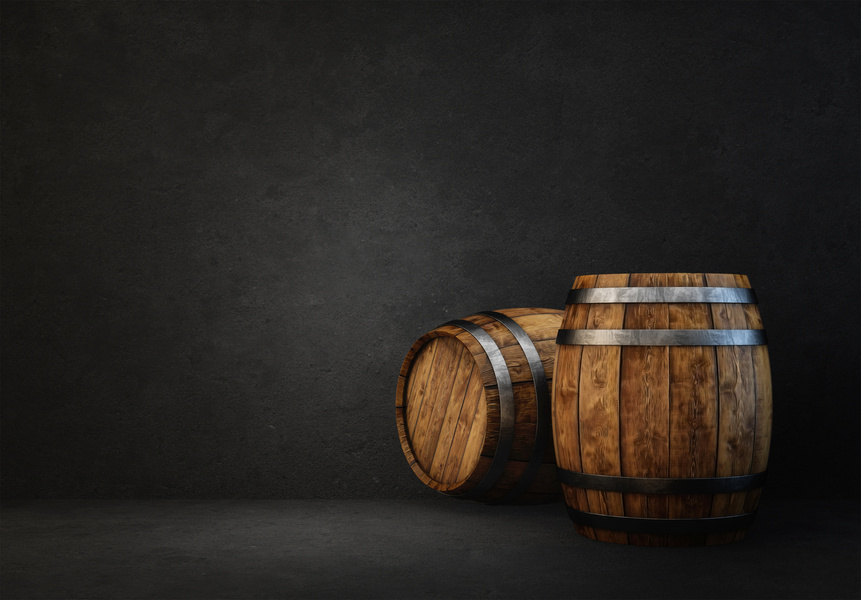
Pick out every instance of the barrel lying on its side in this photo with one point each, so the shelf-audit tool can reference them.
(473, 406)
(662, 407)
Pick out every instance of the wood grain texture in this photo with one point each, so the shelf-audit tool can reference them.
(453, 407)
(694, 402)
(678, 412)
(425, 431)
(763, 399)
(566, 401)
(736, 408)
(645, 409)
(447, 405)
(472, 468)
(417, 384)
(471, 417)
(600, 450)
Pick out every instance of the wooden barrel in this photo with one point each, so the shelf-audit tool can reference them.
(662, 407)
(473, 406)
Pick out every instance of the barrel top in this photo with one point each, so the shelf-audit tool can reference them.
(737, 277)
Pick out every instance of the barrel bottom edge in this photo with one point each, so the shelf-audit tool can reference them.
(660, 540)
(646, 531)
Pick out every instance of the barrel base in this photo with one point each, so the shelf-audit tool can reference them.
(635, 531)
(675, 540)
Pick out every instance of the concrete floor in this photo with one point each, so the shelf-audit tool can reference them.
(438, 548)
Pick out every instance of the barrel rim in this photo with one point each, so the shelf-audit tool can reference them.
(656, 273)
(464, 484)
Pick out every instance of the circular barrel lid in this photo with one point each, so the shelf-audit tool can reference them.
(443, 420)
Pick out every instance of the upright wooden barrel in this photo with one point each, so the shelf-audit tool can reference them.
(473, 406)
(662, 407)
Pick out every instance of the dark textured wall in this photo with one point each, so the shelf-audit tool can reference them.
(224, 224)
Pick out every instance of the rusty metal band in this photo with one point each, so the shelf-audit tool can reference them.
(644, 295)
(654, 485)
(542, 401)
(661, 526)
(506, 407)
(662, 337)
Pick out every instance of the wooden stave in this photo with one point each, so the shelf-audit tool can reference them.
(545, 485)
(577, 498)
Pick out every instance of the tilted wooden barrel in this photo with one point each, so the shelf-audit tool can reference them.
(473, 406)
(662, 407)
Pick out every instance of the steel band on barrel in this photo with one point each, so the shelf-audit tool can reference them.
(662, 337)
(645, 295)
(506, 407)
(542, 400)
(655, 485)
(661, 526)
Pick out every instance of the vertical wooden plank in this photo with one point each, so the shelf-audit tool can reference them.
(565, 402)
(572, 319)
(599, 408)
(736, 408)
(419, 377)
(644, 409)
(762, 378)
(457, 457)
(693, 408)
(741, 281)
(475, 440)
(426, 432)
(762, 435)
(452, 413)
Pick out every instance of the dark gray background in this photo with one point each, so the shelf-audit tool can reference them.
(224, 224)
